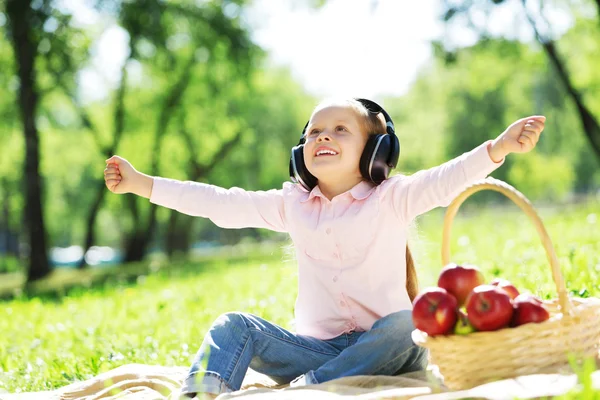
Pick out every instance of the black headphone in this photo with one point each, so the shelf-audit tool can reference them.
(378, 158)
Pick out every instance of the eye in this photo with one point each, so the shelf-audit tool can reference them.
(314, 132)
(341, 128)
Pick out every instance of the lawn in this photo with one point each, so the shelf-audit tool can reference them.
(161, 318)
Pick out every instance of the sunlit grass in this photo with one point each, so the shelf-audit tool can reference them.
(503, 242)
(161, 319)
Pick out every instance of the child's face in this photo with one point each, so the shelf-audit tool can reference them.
(335, 140)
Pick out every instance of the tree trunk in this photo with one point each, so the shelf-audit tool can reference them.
(106, 150)
(136, 247)
(133, 250)
(119, 126)
(90, 234)
(20, 15)
(141, 238)
(178, 237)
(11, 240)
(591, 127)
(143, 233)
(5, 216)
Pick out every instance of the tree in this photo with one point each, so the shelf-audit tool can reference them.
(178, 232)
(264, 123)
(589, 122)
(24, 23)
(154, 28)
(230, 55)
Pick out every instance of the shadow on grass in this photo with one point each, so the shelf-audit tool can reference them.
(71, 282)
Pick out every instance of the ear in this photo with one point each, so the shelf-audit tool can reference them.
(381, 118)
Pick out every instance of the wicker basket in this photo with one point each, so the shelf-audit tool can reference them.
(573, 329)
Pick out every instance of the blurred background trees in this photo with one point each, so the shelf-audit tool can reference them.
(193, 98)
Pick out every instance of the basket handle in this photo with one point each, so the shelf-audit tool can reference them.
(519, 199)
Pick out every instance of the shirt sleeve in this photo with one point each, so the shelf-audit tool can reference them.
(227, 208)
(437, 187)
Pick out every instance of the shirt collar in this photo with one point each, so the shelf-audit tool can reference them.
(359, 192)
(362, 190)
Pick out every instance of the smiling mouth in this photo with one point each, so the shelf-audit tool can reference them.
(326, 152)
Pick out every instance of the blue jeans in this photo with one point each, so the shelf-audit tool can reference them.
(237, 341)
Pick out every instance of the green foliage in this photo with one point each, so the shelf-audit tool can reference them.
(9, 264)
(8, 86)
(228, 91)
(543, 177)
(580, 47)
(477, 117)
(420, 123)
(462, 98)
(453, 107)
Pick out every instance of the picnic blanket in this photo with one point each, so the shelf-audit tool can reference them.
(154, 382)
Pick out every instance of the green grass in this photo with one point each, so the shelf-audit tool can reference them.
(50, 341)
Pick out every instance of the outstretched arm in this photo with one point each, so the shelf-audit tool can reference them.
(227, 208)
(437, 187)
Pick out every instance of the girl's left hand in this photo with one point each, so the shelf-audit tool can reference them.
(520, 137)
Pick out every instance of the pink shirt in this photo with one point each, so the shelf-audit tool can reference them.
(350, 250)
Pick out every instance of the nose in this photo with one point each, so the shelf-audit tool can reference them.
(323, 137)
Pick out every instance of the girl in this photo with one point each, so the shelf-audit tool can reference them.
(348, 223)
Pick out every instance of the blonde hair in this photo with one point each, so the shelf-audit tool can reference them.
(375, 124)
(370, 122)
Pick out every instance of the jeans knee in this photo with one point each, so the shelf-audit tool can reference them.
(229, 321)
(416, 360)
(396, 323)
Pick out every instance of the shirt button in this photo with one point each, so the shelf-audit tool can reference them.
(335, 278)
(328, 231)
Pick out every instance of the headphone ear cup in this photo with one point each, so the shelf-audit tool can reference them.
(298, 171)
(395, 152)
(365, 158)
(375, 158)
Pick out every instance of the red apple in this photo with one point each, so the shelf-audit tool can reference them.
(434, 311)
(529, 297)
(489, 308)
(528, 308)
(512, 291)
(459, 280)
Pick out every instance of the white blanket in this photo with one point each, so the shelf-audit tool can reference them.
(153, 382)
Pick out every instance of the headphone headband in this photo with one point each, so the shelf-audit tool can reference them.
(375, 108)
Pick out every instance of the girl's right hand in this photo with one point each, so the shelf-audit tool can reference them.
(120, 176)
